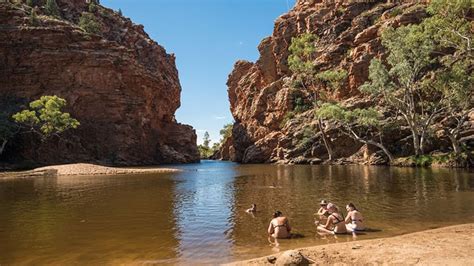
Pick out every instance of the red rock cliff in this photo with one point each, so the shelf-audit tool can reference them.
(349, 37)
(122, 86)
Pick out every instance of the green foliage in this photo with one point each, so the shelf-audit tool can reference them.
(226, 132)
(34, 17)
(92, 7)
(395, 12)
(31, 3)
(301, 51)
(422, 160)
(120, 12)
(46, 117)
(52, 9)
(288, 116)
(206, 140)
(88, 23)
(332, 78)
(300, 105)
(450, 27)
(368, 117)
(205, 150)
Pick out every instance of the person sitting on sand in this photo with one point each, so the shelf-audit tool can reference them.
(252, 209)
(279, 226)
(354, 219)
(335, 223)
(322, 213)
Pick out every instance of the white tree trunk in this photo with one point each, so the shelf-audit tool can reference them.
(325, 140)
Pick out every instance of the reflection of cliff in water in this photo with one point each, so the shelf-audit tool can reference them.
(391, 199)
(87, 219)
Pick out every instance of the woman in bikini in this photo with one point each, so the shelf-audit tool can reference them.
(279, 226)
(354, 219)
(335, 223)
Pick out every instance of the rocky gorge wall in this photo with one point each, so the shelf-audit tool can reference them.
(121, 85)
(261, 99)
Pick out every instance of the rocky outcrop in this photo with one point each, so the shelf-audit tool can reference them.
(122, 86)
(267, 128)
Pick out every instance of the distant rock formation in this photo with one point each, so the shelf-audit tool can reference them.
(121, 85)
(260, 98)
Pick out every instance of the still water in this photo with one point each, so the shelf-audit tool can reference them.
(198, 215)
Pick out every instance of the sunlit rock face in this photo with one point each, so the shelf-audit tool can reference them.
(121, 85)
(349, 37)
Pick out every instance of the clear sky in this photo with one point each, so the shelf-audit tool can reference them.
(207, 37)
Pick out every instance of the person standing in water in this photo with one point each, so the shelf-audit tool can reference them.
(335, 223)
(279, 226)
(354, 219)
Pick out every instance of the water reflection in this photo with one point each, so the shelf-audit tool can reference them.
(198, 215)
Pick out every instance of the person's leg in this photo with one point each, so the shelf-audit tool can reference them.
(350, 228)
(323, 229)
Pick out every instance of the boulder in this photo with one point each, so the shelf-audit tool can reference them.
(292, 257)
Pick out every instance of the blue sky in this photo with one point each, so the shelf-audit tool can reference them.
(207, 37)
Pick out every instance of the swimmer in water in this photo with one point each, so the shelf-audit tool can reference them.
(252, 209)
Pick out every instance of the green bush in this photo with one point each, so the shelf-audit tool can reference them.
(395, 12)
(288, 116)
(300, 106)
(31, 3)
(332, 78)
(52, 8)
(34, 18)
(88, 23)
(92, 7)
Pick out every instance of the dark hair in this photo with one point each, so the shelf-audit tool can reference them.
(277, 214)
(352, 206)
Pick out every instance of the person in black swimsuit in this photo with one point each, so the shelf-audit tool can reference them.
(335, 223)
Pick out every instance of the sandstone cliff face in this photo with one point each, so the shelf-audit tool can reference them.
(261, 98)
(122, 86)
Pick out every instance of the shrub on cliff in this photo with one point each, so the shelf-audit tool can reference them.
(52, 9)
(46, 118)
(92, 7)
(333, 78)
(31, 3)
(88, 23)
(34, 17)
(301, 63)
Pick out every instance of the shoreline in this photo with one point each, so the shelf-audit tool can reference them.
(82, 169)
(446, 245)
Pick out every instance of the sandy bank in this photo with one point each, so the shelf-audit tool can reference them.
(452, 245)
(83, 169)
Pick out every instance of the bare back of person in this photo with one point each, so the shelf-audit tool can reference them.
(279, 227)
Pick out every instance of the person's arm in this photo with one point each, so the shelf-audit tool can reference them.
(320, 211)
(270, 228)
(328, 223)
(348, 218)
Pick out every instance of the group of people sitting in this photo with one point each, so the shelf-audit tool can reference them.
(329, 220)
(332, 221)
